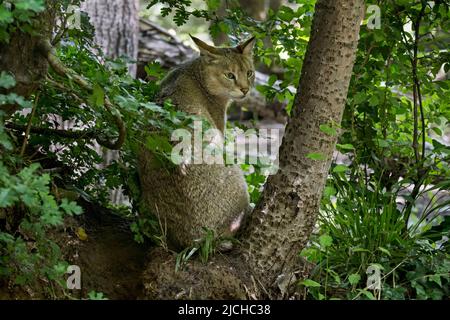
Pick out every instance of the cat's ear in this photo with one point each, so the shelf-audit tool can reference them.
(246, 47)
(205, 49)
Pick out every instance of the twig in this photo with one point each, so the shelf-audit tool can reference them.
(27, 130)
(61, 31)
(70, 134)
(49, 52)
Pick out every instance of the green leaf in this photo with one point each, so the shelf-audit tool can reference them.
(97, 98)
(316, 156)
(6, 197)
(154, 69)
(360, 250)
(437, 130)
(152, 106)
(340, 168)
(71, 207)
(374, 101)
(325, 240)
(329, 191)
(156, 142)
(436, 278)
(310, 283)
(6, 16)
(354, 279)
(367, 293)
(328, 130)
(383, 143)
(31, 5)
(7, 81)
(213, 4)
(345, 147)
(272, 80)
(359, 98)
(92, 295)
(384, 250)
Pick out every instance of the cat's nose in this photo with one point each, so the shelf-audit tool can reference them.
(244, 90)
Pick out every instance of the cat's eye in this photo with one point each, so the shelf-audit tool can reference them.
(249, 74)
(230, 76)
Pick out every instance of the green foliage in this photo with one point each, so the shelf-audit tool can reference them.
(205, 247)
(361, 225)
(396, 147)
(27, 204)
(28, 255)
(361, 210)
(18, 14)
(93, 295)
(7, 81)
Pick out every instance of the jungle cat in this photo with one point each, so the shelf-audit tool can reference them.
(201, 195)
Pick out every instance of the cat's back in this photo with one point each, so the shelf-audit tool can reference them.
(179, 84)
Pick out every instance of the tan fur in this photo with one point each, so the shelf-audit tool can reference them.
(203, 195)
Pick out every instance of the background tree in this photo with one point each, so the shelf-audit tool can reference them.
(282, 222)
(116, 24)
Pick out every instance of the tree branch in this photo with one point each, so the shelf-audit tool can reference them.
(49, 52)
(68, 134)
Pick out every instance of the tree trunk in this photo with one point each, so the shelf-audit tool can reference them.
(275, 4)
(256, 9)
(21, 58)
(282, 222)
(116, 26)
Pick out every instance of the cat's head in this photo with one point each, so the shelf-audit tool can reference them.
(227, 72)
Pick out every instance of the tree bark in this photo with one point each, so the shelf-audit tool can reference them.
(256, 9)
(116, 26)
(21, 58)
(281, 224)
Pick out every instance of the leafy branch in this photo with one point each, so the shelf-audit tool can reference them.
(49, 52)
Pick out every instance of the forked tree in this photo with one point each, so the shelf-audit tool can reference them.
(283, 220)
